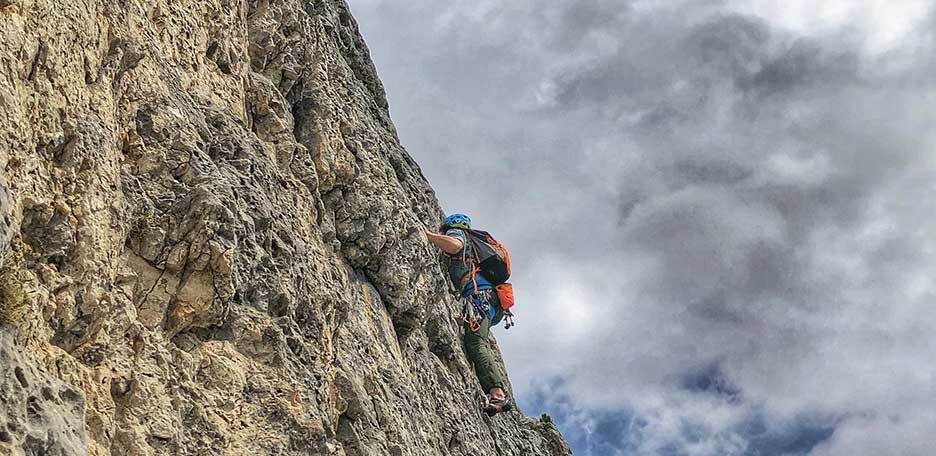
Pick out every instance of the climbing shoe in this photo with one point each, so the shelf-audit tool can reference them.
(494, 406)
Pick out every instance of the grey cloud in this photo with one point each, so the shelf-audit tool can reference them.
(805, 63)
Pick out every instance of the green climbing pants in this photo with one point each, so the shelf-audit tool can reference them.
(481, 354)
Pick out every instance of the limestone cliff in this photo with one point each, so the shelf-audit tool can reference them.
(210, 242)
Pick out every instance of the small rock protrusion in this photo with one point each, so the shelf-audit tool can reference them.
(34, 407)
(6, 231)
(69, 394)
(18, 372)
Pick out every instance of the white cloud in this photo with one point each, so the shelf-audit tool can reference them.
(898, 432)
(883, 25)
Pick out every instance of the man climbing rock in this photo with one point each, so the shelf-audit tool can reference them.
(482, 308)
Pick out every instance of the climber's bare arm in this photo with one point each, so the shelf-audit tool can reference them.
(448, 244)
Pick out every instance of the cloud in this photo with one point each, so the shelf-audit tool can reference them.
(701, 198)
(704, 424)
(896, 434)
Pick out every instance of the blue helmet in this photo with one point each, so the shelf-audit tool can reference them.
(458, 221)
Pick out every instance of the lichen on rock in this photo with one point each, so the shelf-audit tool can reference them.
(210, 236)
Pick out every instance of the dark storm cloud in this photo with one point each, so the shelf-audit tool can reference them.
(714, 221)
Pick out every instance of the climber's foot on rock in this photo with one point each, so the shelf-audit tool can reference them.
(493, 406)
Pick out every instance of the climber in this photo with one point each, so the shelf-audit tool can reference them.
(481, 308)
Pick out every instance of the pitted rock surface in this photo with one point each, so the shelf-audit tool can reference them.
(40, 414)
(210, 233)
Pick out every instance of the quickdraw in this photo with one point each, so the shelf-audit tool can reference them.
(475, 306)
(508, 319)
(470, 316)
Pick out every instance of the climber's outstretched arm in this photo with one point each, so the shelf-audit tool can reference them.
(448, 244)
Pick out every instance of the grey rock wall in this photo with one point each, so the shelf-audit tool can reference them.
(40, 414)
(6, 228)
(212, 235)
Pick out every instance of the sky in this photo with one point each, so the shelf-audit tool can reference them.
(721, 214)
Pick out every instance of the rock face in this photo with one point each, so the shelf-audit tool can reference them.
(41, 415)
(210, 243)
